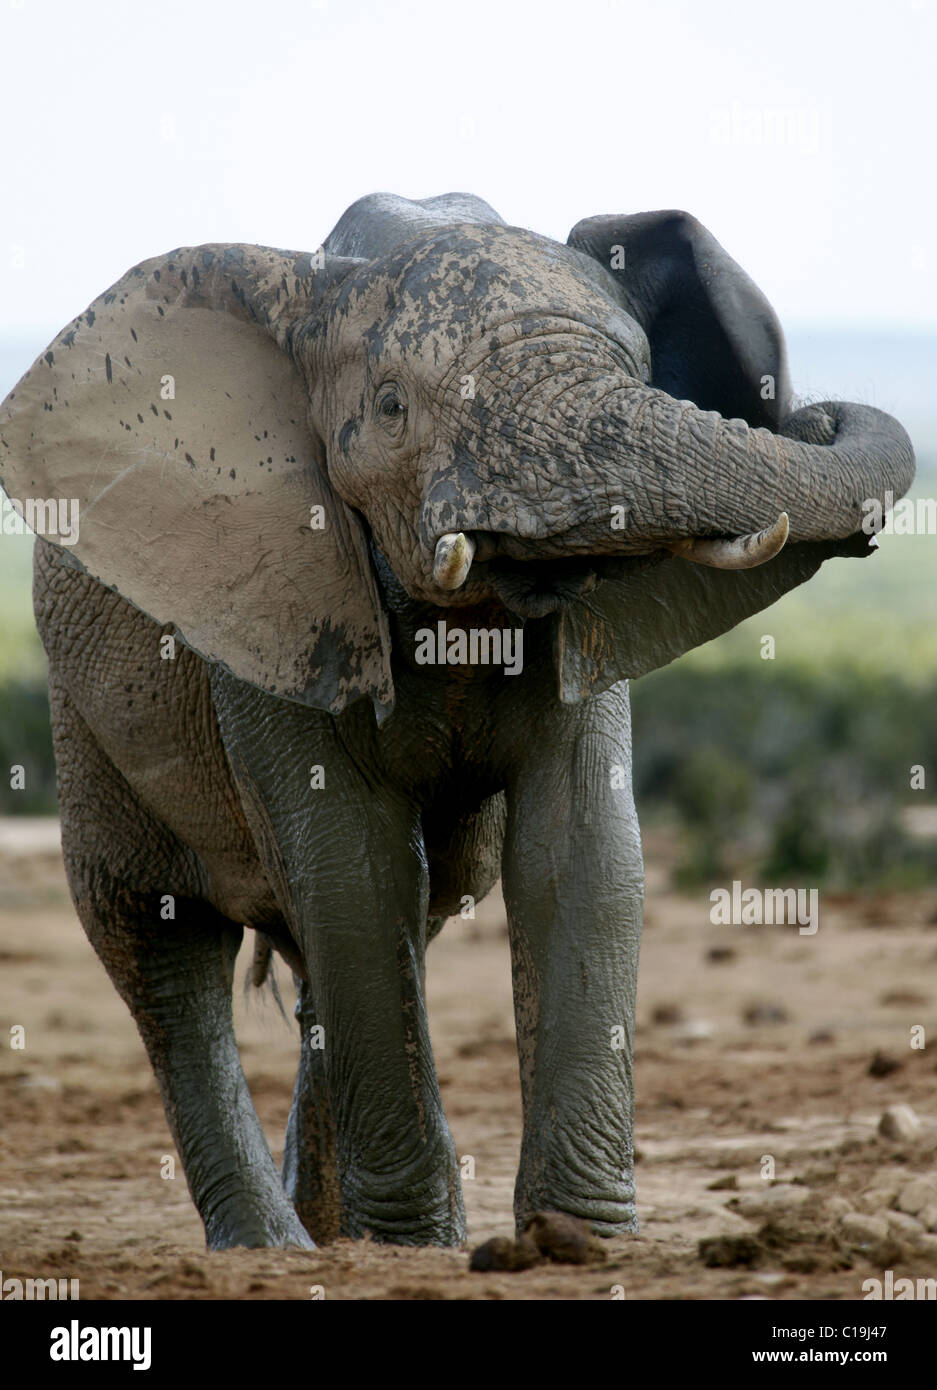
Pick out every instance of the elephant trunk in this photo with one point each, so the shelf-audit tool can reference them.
(681, 472)
(637, 470)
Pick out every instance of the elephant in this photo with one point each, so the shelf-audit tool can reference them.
(371, 541)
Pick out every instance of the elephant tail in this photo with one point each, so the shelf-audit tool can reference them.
(260, 973)
(260, 965)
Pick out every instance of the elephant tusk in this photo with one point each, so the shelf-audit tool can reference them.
(741, 553)
(453, 560)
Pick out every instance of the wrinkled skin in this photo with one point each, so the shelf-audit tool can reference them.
(434, 373)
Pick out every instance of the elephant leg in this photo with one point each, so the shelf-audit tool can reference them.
(171, 957)
(349, 860)
(573, 886)
(396, 1160)
(367, 1082)
(310, 1169)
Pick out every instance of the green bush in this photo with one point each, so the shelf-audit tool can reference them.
(712, 794)
(792, 774)
(26, 741)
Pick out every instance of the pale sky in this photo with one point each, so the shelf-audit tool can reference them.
(801, 132)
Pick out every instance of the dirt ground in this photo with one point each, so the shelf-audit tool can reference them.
(761, 1052)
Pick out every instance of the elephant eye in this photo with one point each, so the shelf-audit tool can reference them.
(390, 407)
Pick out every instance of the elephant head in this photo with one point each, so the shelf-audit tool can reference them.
(565, 429)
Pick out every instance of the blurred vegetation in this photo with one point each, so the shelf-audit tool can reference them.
(26, 741)
(21, 654)
(786, 776)
(25, 735)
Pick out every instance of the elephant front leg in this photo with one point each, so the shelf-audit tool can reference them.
(363, 910)
(573, 884)
(347, 857)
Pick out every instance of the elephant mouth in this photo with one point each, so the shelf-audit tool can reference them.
(534, 588)
(533, 585)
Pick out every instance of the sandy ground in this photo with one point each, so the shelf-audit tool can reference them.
(719, 1089)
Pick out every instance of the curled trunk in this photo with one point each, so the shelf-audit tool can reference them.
(683, 472)
(630, 469)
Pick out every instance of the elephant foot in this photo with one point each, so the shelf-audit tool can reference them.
(406, 1227)
(627, 1226)
(423, 1209)
(606, 1216)
(242, 1224)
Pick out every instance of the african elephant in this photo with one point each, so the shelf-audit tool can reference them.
(370, 541)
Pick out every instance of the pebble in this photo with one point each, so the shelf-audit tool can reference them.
(765, 1013)
(718, 955)
(860, 1229)
(727, 1252)
(783, 1197)
(551, 1234)
(916, 1196)
(503, 1253)
(883, 1065)
(40, 1083)
(928, 1217)
(879, 1198)
(901, 1224)
(565, 1239)
(899, 1122)
(693, 1030)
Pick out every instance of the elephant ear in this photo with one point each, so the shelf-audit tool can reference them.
(716, 341)
(173, 412)
(714, 338)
